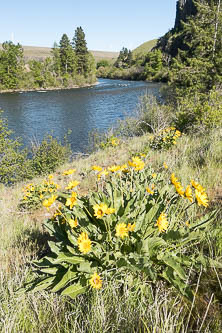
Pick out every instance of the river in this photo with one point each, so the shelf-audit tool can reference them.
(31, 115)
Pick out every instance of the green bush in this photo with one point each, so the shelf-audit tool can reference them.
(48, 155)
(14, 165)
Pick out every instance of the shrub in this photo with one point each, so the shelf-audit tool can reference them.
(49, 154)
(165, 139)
(200, 111)
(14, 165)
(140, 224)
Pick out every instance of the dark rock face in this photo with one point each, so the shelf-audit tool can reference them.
(185, 8)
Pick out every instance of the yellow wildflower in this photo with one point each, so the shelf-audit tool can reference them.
(110, 211)
(197, 186)
(114, 142)
(72, 184)
(179, 189)
(187, 224)
(188, 193)
(96, 281)
(149, 191)
(174, 180)
(84, 243)
(71, 201)
(69, 172)
(154, 175)
(136, 163)
(103, 173)
(201, 198)
(50, 177)
(41, 196)
(48, 202)
(162, 222)
(131, 227)
(97, 168)
(165, 165)
(114, 168)
(100, 210)
(73, 223)
(121, 230)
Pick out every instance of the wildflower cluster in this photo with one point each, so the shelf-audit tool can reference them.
(110, 142)
(200, 193)
(165, 139)
(35, 195)
(134, 223)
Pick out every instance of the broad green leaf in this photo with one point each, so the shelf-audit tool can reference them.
(67, 277)
(173, 263)
(43, 284)
(74, 290)
(151, 245)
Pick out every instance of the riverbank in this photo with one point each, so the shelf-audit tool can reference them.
(48, 89)
(24, 238)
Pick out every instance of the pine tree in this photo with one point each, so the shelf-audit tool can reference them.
(81, 51)
(11, 65)
(67, 56)
(198, 63)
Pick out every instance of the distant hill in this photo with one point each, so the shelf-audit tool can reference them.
(40, 53)
(145, 47)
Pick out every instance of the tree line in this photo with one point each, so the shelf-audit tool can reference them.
(70, 64)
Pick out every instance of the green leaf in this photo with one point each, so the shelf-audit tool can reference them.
(43, 284)
(50, 270)
(67, 277)
(74, 290)
(152, 245)
(173, 263)
(85, 267)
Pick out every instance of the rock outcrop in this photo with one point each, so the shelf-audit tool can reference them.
(185, 8)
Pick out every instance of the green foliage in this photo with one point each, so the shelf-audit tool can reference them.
(124, 59)
(122, 229)
(81, 51)
(48, 155)
(200, 111)
(66, 55)
(14, 165)
(153, 65)
(165, 139)
(102, 63)
(17, 164)
(11, 65)
(34, 195)
(111, 141)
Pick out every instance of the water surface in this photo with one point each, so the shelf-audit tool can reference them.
(31, 115)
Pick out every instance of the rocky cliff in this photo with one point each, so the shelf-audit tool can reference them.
(185, 8)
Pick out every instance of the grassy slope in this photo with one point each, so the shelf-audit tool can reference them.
(145, 47)
(23, 238)
(37, 52)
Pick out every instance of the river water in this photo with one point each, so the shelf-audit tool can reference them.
(31, 115)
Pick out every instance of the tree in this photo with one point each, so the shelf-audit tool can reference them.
(81, 51)
(198, 63)
(67, 56)
(124, 59)
(11, 65)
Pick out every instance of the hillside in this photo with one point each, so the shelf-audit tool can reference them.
(40, 53)
(145, 47)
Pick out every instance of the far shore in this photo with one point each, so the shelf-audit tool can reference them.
(48, 89)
